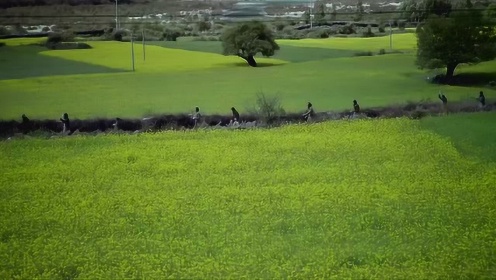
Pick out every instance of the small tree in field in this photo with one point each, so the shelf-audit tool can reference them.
(247, 39)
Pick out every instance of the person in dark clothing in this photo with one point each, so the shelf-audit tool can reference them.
(356, 107)
(235, 114)
(481, 99)
(443, 98)
(67, 123)
(25, 125)
(309, 113)
(196, 116)
(25, 120)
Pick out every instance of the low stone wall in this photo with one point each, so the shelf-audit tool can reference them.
(183, 121)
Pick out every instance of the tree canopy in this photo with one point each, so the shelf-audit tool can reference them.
(248, 39)
(465, 36)
(414, 10)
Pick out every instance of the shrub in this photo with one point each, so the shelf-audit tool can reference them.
(401, 25)
(368, 33)
(288, 29)
(382, 28)
(56, 38)
(347, 29)
(171, 34)
(108, 30)
(113, 34)
(18, 29)
(45, 29)
(153, 26)
(218, 26)
(320, 33)
(280, 25)
(206, 38)
(190, 34)
(187, 27)
(382, 51)
(289, 32)
(418, 114)
(68, 46)
(4, 31)
(204, 26)
(369, 53)
(268, 108)
(153, 32)
(118, 35)
(2, 44)
(410, 106)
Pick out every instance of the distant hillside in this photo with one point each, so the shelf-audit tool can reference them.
(27, 3)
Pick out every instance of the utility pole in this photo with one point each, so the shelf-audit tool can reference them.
(116, 16)
(132, 49)
(390, 35)
(311, 18)
(143, 35)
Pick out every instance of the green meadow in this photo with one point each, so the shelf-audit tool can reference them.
(176, 76)
(380, 199)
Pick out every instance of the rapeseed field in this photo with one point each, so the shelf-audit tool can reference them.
(364, 199)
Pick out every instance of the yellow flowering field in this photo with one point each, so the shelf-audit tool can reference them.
(364, 199)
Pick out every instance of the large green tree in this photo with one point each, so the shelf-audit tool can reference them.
(465, 36)
(419, 10)
(437, 7)
(491, 13)
(248, 39)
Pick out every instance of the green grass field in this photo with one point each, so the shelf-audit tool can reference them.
(286, 53)
(364, 199)
(177, 77)
(476, 139)
(402, 42)
(19, 62)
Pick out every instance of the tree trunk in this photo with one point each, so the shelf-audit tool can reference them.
(251, 61)
(450, 71)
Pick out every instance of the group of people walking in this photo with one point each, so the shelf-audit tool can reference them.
(308, 115)
(481, 100)
(197, 117)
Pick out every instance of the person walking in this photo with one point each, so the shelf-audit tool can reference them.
(196, 116)
(309, 113)
(443, 98)
(482, 100)
(235, 115)
(67, 123)
(356, 109)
